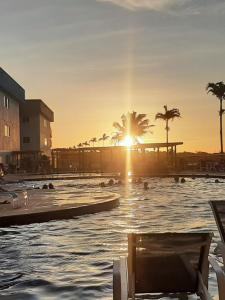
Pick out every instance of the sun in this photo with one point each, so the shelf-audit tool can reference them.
(128, 141)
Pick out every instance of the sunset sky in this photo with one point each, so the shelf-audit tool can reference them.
(91, 61)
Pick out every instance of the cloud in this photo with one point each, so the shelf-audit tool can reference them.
(176, 6)
(146, 4)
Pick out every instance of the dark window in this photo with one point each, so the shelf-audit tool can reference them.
(26, 119)
(26, 139)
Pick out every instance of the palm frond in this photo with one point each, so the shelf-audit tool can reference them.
(160, 116)
(217, 89)
(118, 126)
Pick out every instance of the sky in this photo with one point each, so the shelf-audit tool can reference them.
(93, 60)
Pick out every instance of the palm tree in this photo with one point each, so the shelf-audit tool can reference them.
(218, 89)
(169, 114)
(103, 138)
(86, 144)
(116, 138)
(93, 141)
(133, 125)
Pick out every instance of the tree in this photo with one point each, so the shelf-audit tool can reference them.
(116, 138)
(93, 141)
(80, 145)
(103, 138)
(86, 144)
(133, 125)
(169, 114)
(218, 89)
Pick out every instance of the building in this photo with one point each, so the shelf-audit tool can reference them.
(35, 128)
(25, 130)
(12, 95)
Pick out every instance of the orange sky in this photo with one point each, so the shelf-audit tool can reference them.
(91, 61)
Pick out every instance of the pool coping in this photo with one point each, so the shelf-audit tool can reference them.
(30, 178)
(59, 214)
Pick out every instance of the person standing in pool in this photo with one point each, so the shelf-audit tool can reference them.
(146, 186)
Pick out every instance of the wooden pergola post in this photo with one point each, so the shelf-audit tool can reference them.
(175, 156)
(158, 154)
(82, 161)
(101, 160)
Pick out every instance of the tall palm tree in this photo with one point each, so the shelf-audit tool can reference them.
(116, 138)
(103, 138)
(218, 89)
(133, 125)
(93, 141)
(169, 114)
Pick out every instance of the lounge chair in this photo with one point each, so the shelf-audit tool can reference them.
(163, 264)
(218, 209)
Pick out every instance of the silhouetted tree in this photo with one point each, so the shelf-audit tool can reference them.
(169, 114)
(86, 144)
(80, 145)
(116, 138)
(218, 89)
(93, 141)
(103, 138)
(133, 125)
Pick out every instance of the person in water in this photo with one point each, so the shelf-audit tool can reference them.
(146, 186)
(176, 179)
(111, 182)
(51, 186)
(183, 180)
(44, 187)
(217, 181)
(102, 184)
(139, 180)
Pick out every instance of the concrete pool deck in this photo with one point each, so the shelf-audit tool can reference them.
(44, 206)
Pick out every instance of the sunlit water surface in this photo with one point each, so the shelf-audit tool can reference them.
(73, 259)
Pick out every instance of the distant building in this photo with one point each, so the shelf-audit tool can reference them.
(12, 95)
(35, 128)
(25, 130)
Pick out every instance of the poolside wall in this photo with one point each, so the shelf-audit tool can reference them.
(59, 214)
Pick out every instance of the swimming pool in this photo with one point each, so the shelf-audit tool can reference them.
(73, 259)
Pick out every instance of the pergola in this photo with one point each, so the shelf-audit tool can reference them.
(170, 148)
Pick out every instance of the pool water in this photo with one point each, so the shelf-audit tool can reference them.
(73, 259)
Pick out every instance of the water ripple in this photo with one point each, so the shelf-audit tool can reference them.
(73, 259)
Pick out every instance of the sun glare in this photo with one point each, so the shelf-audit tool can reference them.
(140, 140)
(128, 141)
